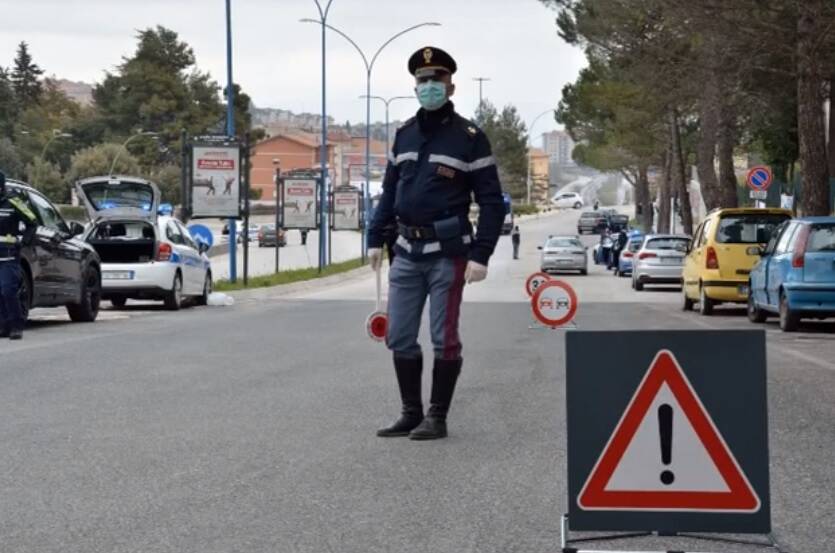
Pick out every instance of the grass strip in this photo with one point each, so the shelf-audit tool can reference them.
(288, 277)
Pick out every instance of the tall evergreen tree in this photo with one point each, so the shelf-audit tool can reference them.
(7, 105)
(26, 78)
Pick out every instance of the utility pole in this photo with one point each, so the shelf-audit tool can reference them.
(481, 89)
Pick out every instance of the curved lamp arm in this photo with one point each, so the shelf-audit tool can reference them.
(398, 35)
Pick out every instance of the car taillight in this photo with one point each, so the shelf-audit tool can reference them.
(627, 254)
(646, 255)
(712, 260)
(799, 257)
(163, 251)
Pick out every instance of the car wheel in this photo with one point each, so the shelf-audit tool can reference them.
(789, 320)
(639, 286)
(584, 272)
(88, 309)
(705, 303)
(687, 303)
(755, 314)
(207, 290)
(174, 298)
(578, 205)
(118, 302)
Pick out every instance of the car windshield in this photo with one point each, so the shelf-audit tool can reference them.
(822, 239)
(678, 244)
(106, 195)
(564, 243)
(633, 246)
(748, 228)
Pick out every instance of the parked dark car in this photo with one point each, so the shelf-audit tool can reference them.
(618, 223)
(591, 222)
(59, 269)
(267, 236)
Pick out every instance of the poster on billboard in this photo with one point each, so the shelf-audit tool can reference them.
(215, 181)
(298, 203)
(346, 210)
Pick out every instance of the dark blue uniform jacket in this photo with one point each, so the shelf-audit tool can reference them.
(440, 163)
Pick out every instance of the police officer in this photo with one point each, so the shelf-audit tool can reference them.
(17, 225)
(439, 164)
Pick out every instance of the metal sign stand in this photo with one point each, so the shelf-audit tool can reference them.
(566, 540)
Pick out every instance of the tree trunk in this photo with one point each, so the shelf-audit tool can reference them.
(706, 147)
(664, 194)
(814, 190)
(680, 181)
(727, 176)
(643, 202)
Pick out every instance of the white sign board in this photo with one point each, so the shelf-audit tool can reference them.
(758, 194)
(346, 210)
(299, 203)
(215, 181)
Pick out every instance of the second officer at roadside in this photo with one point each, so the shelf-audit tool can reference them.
(440, 163)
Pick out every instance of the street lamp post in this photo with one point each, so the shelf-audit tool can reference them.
(277, 165)
(124, 147)
(230, 132)
(56, 134)
(388, 101)
(530, 145)
(369, 66)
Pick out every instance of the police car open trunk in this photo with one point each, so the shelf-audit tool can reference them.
(123, 211)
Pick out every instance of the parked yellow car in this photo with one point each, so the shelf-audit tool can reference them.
(723, 252)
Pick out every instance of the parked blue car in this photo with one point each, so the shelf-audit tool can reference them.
(795, 278)
(628, 254)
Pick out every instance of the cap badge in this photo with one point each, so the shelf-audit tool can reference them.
(427, 55)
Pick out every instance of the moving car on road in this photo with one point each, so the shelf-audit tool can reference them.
(659, 260)
(144, 255)
(795, 278)
(252, 233)
(591, 222)
(570, 200)
(59, 268)
(721, 257)
(564, 253)
(268, 236)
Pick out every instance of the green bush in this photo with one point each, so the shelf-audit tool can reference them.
(73, 213)
(525, 209)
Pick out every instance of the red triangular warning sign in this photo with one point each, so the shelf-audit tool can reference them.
(666, 454)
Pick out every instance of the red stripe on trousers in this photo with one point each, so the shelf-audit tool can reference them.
(452, 343)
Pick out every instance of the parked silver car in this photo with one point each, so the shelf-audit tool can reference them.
(660, 260)
(564, 253)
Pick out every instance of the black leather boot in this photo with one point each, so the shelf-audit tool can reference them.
(444, 376)
(409, 372)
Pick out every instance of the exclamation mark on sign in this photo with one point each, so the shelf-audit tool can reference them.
(665, 429)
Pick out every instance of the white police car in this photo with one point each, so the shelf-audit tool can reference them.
(144, 255)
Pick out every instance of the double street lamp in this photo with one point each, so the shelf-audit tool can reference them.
(124, 146)
(369, 67)
(387, 102)
(56, 134)
(530, 148)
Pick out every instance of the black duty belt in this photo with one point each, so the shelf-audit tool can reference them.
(417, 233)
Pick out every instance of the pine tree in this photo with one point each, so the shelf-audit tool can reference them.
(26, 78)
(7, 105)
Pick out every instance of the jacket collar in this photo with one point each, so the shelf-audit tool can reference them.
(430, 121)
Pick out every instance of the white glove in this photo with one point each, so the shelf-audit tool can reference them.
(375, 258)
(476, 272)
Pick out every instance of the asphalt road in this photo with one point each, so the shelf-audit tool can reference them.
(251, 428)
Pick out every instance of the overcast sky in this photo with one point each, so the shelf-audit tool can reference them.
(277, 59)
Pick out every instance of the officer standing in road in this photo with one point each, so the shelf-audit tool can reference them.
(439, 163)
(516, 239)
(17, 225)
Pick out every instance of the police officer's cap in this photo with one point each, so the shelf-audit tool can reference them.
(431, 61)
